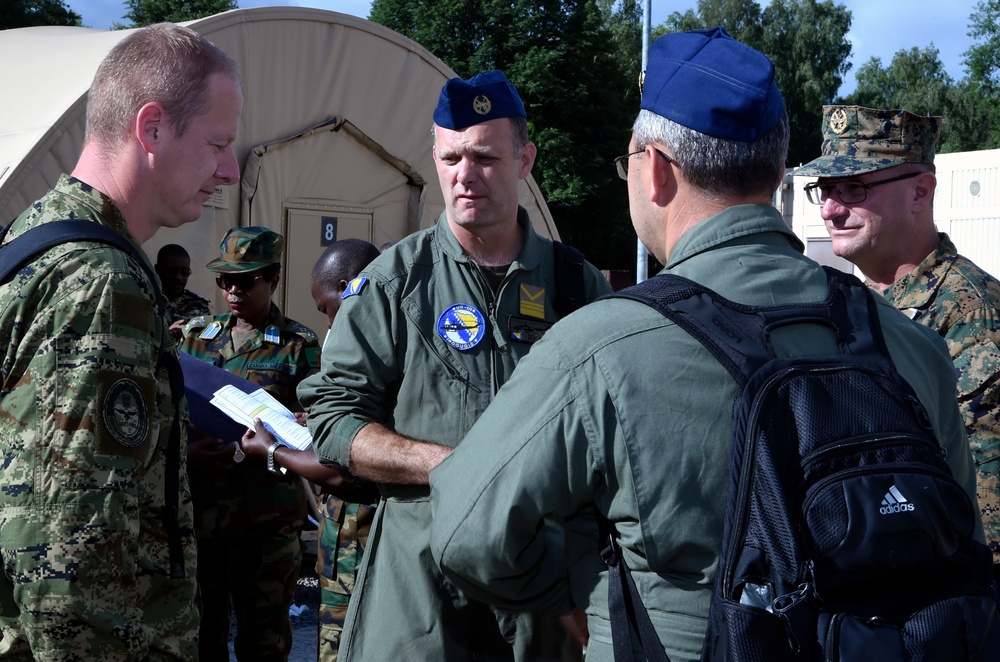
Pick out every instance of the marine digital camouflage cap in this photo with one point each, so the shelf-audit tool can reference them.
(248, 249)
(857, 140)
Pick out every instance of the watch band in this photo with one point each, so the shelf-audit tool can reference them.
(270, 459)
(239, 455)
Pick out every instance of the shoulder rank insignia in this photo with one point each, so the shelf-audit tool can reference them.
(211, 331)
(354, 287)
(532, 301)
(272, 335)
(462, 326)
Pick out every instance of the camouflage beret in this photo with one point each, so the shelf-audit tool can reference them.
(857, 140)
(248, 249)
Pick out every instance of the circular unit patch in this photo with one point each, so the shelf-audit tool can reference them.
(125, 413)
(461, 326)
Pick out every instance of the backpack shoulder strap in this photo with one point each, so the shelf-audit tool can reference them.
(739, 336)
(15, 255)
(570, 291)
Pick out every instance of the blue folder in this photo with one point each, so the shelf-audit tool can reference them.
(201, 381)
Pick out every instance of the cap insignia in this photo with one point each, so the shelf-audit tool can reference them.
(482, 104)
(838, 121)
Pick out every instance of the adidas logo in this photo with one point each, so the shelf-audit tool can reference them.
(895, 502)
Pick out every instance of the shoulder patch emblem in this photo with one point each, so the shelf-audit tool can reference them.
(354, 287)
(211, 331)
(125, 413)
(462, 326)
(303, 331)
(272, 335)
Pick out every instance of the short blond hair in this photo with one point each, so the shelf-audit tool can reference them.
(166, 63)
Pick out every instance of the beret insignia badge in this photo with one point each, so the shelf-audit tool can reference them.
(482, 104)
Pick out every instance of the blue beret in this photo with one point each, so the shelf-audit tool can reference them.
(711, 83)
(484, 97)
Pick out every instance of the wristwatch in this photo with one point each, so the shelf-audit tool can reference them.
(239, 455)
(270, 460)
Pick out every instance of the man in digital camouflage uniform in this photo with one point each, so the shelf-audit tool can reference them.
(428, 334)
(95, 510)
(248, 519)
(876, 191)
(173, 266)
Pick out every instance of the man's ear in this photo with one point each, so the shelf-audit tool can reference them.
(923, 191)
(661, 176)
(149, 126)
(528, 155)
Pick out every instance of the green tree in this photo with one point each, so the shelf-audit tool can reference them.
(32, 13)
(977, 113)
(915, 80)
(147, 12)
(568, 61)
(807, 41)
(982, 61)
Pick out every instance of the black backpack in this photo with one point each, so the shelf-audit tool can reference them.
(846, 536)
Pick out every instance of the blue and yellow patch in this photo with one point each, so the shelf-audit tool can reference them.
(462, 326)
(354, 287)
(527, 330)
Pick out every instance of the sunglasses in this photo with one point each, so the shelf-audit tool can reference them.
(240, 281)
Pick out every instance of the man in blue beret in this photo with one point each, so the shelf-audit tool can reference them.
(619, 409)
(430, 332)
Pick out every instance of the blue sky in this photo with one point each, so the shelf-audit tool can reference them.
(880, 27)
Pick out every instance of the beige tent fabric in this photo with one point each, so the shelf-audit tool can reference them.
(302, 69)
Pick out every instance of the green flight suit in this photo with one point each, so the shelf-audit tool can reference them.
(961, 302)
(422, 348)
(83, 445)
(619, 408)
(248, 520)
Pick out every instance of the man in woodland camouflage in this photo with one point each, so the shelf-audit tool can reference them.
(876, 189)
(95, 511)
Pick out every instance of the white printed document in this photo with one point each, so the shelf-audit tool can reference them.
(244, 407)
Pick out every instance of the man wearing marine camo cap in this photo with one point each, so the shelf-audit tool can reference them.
(875, 191)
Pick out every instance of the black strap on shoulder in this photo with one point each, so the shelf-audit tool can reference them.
(22, 250)
(570, 290)
(626, 610)
(739, 336)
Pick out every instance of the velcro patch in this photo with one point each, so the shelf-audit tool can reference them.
(132, 311)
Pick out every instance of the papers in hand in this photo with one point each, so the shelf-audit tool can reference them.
(244, 407)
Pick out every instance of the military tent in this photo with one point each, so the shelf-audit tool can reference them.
(335, 138)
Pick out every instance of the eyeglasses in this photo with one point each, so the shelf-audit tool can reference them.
(240, 281)
(621, 162)
(850, 191)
